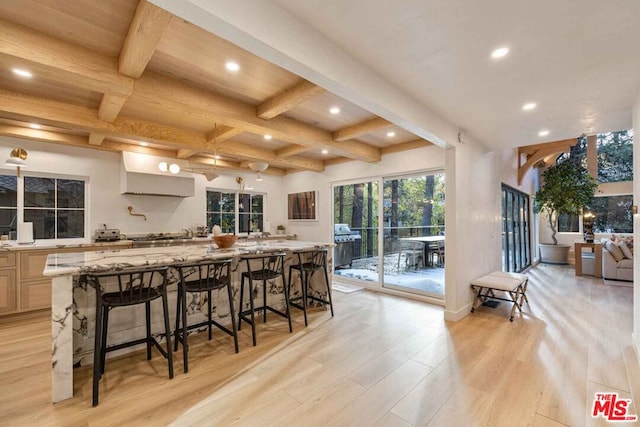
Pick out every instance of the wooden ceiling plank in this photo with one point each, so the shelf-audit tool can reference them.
(110, 106)
(145, 32)
(361, 128)
(288, 99)
(337, 161)
(61, 61)
(180, 97)
(96, 138)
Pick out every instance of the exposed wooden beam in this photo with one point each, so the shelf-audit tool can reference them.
(288, 99)
(222, 133)
(185, 153)
(44, 135)
(536, 157)
(337, 161)
(249, 152)
(110, 106)
(96, 138)
(60, 61)
(145, 32)
(562, 144)
(292, 150)
(536, 152)
(82, 118)
(404, 146)
(171, 95)
(361, 128)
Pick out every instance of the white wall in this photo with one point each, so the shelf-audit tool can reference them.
(473, 217)
(107, 205)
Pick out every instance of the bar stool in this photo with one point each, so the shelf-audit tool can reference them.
(271, 267)
(310, 261)
(204, 276)
(122, 289)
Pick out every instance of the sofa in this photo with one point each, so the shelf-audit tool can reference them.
(617, 259)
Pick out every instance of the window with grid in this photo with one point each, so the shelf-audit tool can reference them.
(56, 207)
(234, 212)
(8, 204)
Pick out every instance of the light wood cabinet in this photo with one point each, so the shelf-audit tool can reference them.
(23, 288)
(8, 294)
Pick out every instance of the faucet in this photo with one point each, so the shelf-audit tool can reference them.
(189, 232)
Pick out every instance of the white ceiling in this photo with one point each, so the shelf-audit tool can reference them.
(426, 66)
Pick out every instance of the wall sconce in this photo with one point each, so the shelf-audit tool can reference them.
(17, 159)
(258, 167)
(173, 168)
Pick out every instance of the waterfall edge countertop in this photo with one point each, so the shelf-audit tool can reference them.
(87, 262)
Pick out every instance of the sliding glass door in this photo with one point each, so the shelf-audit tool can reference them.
(355, 220)
(516, 236)
(414, 233)
(391, 231)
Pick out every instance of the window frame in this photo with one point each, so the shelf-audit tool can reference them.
(237, 213)
(21, 203)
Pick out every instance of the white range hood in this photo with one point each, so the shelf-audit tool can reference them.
(139, 174)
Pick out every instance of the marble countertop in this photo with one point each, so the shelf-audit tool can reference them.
(70, 244)
(94, 261)
(53, 244)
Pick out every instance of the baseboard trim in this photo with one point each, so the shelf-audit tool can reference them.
(454, 316)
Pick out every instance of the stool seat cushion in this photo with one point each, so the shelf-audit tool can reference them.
(494, 281)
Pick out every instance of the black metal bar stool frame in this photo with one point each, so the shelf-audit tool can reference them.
(309, 262)
(203, 276)
(272, 267)
(139, 286)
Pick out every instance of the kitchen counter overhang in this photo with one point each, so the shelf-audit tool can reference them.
(72, 314)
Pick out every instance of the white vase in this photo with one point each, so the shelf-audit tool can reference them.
(554, 254)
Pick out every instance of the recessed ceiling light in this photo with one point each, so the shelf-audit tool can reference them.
(216, 157)
(500, 52)
(22, 73)
(391, 134)
(543, 133)
(334, 110)
(174, 168)
(268, 137)
(35, 126)
(232, 66)
(529, 106)
(163, 166)
(325, 151)
(144, 144)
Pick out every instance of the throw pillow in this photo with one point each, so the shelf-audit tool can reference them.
(624, 248)
(615, 251)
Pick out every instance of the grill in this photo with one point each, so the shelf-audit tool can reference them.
(345, 240)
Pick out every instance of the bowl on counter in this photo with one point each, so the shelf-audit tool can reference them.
(225, 240)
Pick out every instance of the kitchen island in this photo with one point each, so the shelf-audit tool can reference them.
(73, 301)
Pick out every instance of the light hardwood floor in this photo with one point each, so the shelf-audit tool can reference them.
(382, 361)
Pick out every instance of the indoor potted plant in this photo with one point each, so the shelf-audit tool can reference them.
(280, 229)
(566, 188)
